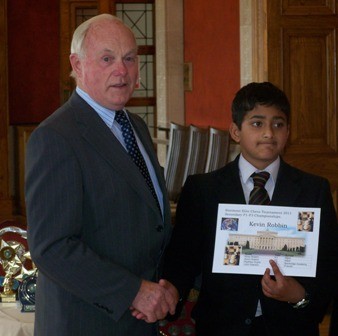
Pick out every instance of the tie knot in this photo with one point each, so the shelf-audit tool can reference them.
(260, 178)
(121, 117)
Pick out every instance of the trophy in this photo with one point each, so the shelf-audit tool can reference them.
(11, 264)
(26, 293)
(27, 287)
(19, 269)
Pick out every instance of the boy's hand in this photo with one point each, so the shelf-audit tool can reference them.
(281, 288)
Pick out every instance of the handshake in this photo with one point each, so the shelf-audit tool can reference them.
(154, 301)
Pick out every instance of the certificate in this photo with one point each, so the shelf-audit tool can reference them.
(248, 236)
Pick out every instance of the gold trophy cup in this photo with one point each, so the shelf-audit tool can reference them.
(11, 264)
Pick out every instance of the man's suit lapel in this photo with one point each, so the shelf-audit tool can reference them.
(96, 132)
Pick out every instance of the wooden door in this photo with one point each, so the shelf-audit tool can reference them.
(302, 57)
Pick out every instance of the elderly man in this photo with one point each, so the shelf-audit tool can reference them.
(97, 208)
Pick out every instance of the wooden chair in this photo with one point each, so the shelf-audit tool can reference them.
(176, 160)
(218, 149)
(197, 151)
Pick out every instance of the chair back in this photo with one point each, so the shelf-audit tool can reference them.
(197, 151)
(218, 149)
(176, 159)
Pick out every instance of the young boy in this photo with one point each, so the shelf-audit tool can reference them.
(236, 304)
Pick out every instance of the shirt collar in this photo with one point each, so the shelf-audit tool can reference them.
(246, 169)
(107, 115)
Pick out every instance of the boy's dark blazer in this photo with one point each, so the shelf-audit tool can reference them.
(94, 229)
(227, 303)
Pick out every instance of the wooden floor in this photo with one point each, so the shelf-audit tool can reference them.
(324, 326)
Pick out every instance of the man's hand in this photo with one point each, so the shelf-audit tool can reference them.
(153, 301)
(282, 288)
(171, 296)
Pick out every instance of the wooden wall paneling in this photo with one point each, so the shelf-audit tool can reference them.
(309, 79)
(21, 135)
(301, 7)
(106, 6)
(68, 23)
(65, 81)
(6, 204)
(302, 58)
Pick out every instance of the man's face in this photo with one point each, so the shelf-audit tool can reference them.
(108, 72)
(263, 135)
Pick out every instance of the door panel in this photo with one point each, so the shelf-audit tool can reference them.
(302, 42)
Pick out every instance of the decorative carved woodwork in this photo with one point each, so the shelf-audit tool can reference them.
(302, 58)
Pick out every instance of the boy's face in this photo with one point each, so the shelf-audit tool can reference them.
(263, 135)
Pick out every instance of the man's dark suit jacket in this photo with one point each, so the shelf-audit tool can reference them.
(94, 229)
(227, 303)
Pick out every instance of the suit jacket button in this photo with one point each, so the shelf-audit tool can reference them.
(159, 228)
(248, 321)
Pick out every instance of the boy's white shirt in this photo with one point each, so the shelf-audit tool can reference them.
(246, 169)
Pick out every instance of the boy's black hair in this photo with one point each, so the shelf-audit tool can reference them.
(253, 94)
